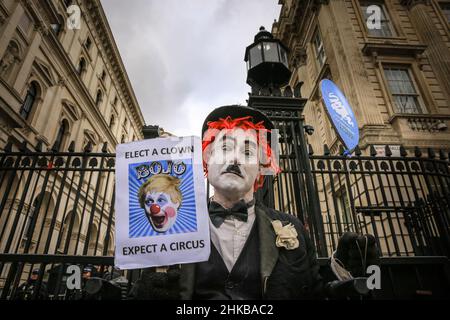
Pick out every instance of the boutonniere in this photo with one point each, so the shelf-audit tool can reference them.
(286, 235)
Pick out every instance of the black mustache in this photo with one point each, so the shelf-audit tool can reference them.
(233, 168)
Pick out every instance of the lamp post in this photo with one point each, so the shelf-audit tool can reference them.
(267, 64)
(268, 74)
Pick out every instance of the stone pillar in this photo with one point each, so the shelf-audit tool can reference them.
(437, 51)
(351, 76)
(29, 59)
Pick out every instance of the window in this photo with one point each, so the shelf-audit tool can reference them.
(400, 84)
(56, 27)
(31, 219)
(98, 98)
(68, 2)
(318, 45)
(115, 100)
(81, 66)
(344, 208)
(385, 29)
(29, 101)
(103, 75)
(112, 121)
(122, 140)
(88, 43)
(445, 7)
(60, 137)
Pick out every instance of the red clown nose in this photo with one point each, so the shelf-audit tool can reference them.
(154, 209)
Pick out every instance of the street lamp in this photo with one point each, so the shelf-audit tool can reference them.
(268, 74)
(267, 64)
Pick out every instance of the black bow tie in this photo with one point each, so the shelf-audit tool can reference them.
(217, 213)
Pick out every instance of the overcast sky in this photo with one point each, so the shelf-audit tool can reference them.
(186, 57)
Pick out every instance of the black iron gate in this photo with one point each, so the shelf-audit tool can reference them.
(57, 208)
(404, 201)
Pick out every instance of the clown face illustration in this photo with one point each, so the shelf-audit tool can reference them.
(160, 197)
(161, 211)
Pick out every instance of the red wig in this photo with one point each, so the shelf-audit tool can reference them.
(244, 123)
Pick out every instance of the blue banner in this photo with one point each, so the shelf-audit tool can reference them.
(341, 114)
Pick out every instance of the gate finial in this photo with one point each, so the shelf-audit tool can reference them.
(71, 146)
(417, 152)
(403, 152)
(326, 150)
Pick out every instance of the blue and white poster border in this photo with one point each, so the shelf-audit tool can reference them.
(187, 240)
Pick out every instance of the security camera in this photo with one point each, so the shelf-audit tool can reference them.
(309, 129)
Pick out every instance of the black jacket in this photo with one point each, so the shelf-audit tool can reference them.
(285, 274)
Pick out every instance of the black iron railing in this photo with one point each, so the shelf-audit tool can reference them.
(403, 201)
(57, 208)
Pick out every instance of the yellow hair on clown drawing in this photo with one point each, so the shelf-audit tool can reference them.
(160, 197)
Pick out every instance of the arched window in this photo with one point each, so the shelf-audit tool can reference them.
(59, 141)
(93, 245)
(88, 43)
(36, 230)
(57, 25)
(103, 75)
(112, 121)
(98, 98)
(29, 101)
(108, 244)
(69, 235)
(81, 66)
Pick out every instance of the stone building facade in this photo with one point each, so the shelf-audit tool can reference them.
(63, 86)
(59, 84)
(391, 59)
(395, 76)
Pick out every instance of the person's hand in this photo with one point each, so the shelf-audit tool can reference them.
(158, 285)
(356, 252)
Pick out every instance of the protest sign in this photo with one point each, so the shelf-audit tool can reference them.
(161, 215)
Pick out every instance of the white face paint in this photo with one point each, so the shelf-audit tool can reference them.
(233, 162)
(160, 210)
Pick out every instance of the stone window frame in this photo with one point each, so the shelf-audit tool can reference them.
(65, 139)
(317, 50)
(394, 22)
(112, 121)
(41, 91)
(99, 97)
(81, 72)
(418, 80)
